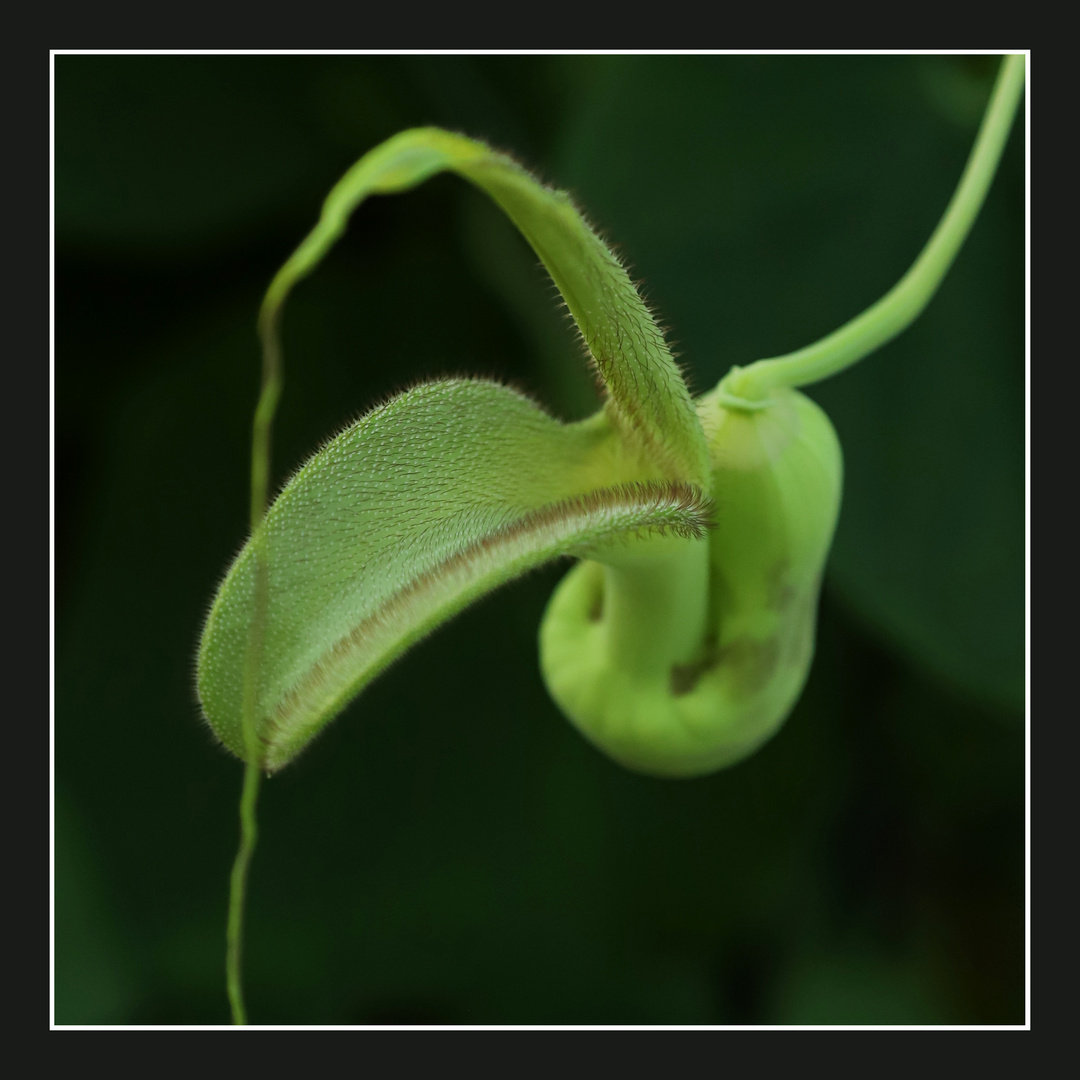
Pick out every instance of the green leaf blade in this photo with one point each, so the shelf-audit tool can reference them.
(646, 394)
(422, 506)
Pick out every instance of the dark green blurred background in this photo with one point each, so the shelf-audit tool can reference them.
(450, 851)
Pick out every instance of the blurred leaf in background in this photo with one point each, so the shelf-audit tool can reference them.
(451, 851)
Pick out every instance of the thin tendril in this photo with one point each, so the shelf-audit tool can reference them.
(262, 429)
(899, 307)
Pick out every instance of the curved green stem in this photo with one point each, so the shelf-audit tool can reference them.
(898, 308)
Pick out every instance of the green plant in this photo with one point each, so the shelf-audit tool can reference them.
(684, 636)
